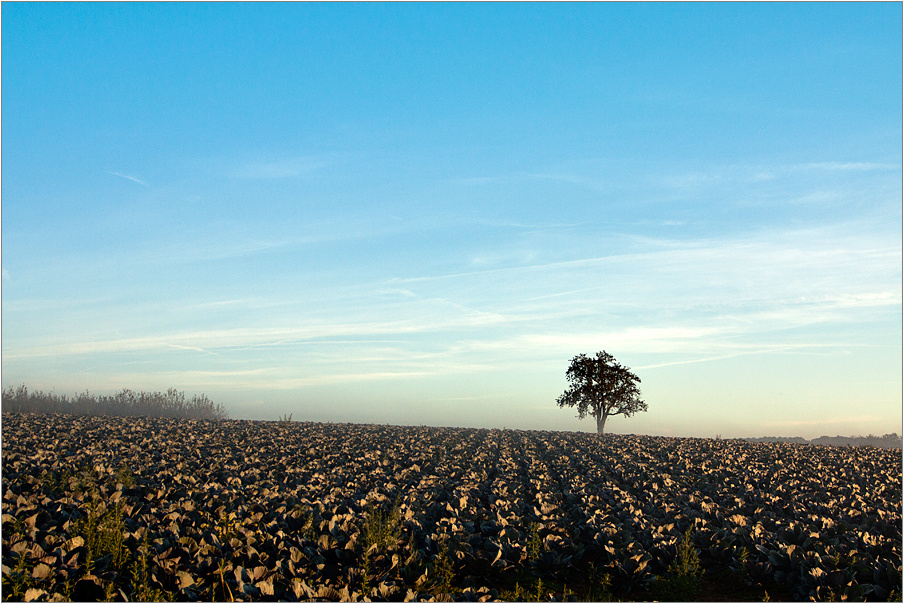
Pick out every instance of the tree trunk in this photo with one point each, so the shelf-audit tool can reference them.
(601, 423)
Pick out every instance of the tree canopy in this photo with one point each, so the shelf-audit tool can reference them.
(601, 387)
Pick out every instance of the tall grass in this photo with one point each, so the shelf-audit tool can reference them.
(127, 403)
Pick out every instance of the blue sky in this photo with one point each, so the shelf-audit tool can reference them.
(418, 213)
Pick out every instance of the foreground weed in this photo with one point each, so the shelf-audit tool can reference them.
(310, 521)
(125, 476)
(443, 569)
(86, 528)
(67, 589)
(141, 589)
(55, 482)
(740, 566)
(534, 593)
(17, 582)
(383, 529)
(227, 526)
(285, 420)
(687, 564)
(224, 588)
(102, 531)
(539, 596)
(109, 590)
(535, 544)
(600, 584)
(86, 480)
(18, 529)
(365, 580)
(682, 581)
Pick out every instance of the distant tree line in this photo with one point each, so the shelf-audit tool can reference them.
(124, 404)
(887, 441)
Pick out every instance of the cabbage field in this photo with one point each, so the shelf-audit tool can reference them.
(109, 508)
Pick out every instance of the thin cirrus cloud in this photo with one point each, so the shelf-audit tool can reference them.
(851, 166)
(693, 344)
(212, 246)
(721, 357)
(606, 177)
(792, 283)
(252, 337)
(815, 262)
(128, 177)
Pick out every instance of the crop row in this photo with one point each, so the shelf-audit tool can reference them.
(151, 508)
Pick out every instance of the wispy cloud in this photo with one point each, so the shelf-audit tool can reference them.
(211, 248)
(748, 350)
(645, 339)
(812, 261)
(180, 347)
(666, 183)
(223, 304)
(128, 177)
(260, 337)
(285, 378)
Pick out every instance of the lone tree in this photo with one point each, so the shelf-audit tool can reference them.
(601, 387)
